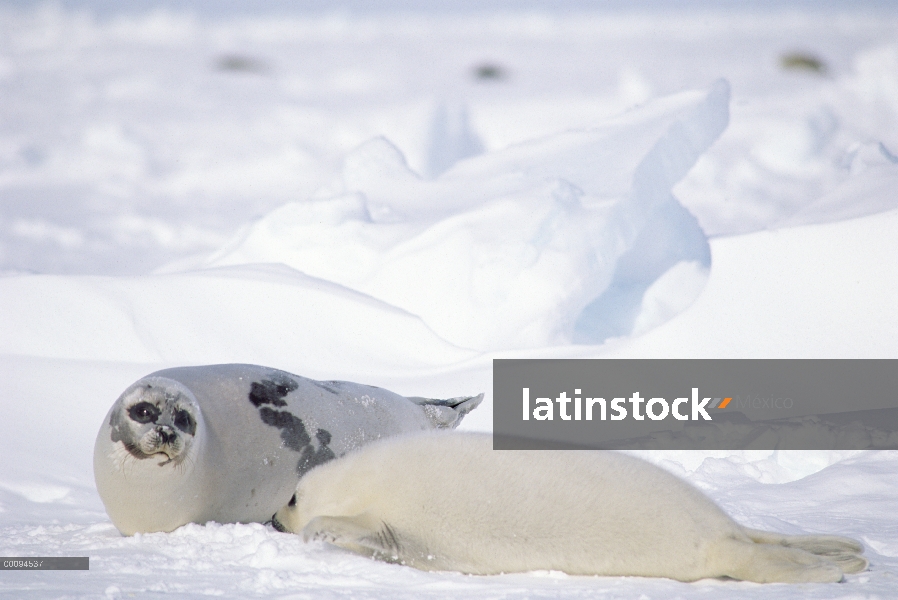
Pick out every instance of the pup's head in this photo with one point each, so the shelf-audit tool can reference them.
(287, 519)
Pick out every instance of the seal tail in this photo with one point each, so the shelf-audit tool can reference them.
(845, 552)
(448, 413)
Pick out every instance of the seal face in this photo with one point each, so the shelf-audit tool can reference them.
(154, 420)
(228, 443)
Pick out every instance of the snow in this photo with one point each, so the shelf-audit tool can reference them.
(527, 239)
(397, 196)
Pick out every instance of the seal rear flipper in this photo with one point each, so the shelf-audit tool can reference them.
(448, 413)
(361, 534)
(768, 563)
(843, 551)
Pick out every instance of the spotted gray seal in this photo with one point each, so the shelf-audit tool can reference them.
(228, 443)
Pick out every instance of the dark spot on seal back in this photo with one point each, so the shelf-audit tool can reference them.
(297, 438)
(311, 457)
(293, 430)
(271, 391)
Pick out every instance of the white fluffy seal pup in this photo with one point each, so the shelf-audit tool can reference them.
(450, 502)
(228, 443)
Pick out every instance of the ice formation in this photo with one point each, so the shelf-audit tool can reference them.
(542, 243)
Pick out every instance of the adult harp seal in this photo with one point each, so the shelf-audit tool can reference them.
(228, 443)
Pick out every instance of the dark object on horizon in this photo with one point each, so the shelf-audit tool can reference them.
(489, 72)
(240, 64)
(801, 61)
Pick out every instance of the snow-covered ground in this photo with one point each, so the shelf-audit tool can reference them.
(397, 196)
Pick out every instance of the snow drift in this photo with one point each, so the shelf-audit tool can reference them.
(539, 244)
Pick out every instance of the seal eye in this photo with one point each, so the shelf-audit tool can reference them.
(144, 412)
(292, 501)
(184, 421)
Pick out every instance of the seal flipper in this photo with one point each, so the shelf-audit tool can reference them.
(448, 413)
(361, 534)
(843, 551)
(770, 563)
(371, 537)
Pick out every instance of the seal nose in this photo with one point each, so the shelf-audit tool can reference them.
(165, 434)
(277, 524)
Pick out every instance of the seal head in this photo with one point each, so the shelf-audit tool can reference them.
(155, 419)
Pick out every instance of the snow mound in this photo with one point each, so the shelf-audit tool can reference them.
(822, 151)
(255, 313)
(539, 244)
(451, 139)
(815, 291)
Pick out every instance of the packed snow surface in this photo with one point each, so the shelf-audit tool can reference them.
(397, 196)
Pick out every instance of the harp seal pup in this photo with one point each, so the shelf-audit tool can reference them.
(228, 443)
(448, 501)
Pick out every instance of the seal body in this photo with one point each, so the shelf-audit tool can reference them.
(228, 443)
(448, 501)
